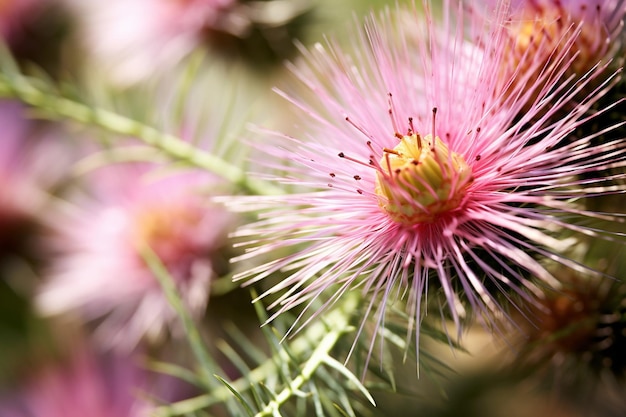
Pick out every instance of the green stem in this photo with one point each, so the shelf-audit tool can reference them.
(21, 88)
(340, 319)
(207, 365)
(317, 358)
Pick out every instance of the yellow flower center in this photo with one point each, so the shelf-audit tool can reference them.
(167, 230)
(420, 179)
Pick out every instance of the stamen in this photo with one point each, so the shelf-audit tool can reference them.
(391, 151)
(419, 183)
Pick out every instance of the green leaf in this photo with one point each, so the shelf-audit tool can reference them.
(338, 366)
(175, 371)
(247, 407)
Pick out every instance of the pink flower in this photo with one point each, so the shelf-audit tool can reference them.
(31, 164)
(100, 271)
(14, 16)
(132, 36)
(416, 176)
(601, 23)
(88, 385)
(536, 29)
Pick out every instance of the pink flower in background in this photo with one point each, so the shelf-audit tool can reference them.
(14, 15)
(532, 22)
(87, 385)
(100, 272)
(418, 177)
(32, 162)
(133, 36)
(536, 29)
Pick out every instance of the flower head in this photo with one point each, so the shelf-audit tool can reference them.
(100, 271)
(415, 171)
(539, 33)
(574, 338)
(420, 179)
(129, 36)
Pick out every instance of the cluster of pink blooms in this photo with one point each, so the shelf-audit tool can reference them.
(90, 236)
(87, 232)
(433, 161)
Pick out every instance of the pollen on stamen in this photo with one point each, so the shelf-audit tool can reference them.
(420, 179)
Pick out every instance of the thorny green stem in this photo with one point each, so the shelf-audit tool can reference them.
(317, 334)
(318, 357)
(21, 88)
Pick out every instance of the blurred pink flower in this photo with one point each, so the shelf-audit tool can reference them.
(536, 29)
(31, 163)
(100, 272)
(133, 36)
(87, 385)
(414, 171)
(14, 15)
(601, 23)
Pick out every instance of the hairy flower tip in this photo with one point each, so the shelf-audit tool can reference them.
(421, 179)
(99, 270)
(414, 175)
(576, 338)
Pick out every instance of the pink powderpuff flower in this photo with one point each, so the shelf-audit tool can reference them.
(533, 22)
(99, 271)
(413, 170)
(132, 36)
(87, 385)
(536, 30)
